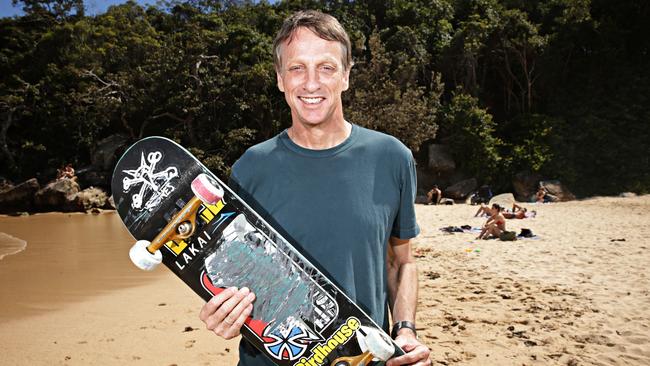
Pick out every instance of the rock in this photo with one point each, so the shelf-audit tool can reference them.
(91, 177)
(440, 159)
(627, 195)
(19, 198)
(525, 185)
(505, 200)
(58, 195)
(557, 189)
(5, 184)
(461, 190)
(90, 198)
(106, 152)
(110, 204)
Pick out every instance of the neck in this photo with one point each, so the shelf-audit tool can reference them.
(319, 137)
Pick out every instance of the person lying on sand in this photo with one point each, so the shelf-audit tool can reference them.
(519, 212)
(495, 224)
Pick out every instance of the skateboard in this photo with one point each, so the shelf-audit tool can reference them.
(184, 217)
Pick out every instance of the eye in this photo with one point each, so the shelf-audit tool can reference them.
(295, 68)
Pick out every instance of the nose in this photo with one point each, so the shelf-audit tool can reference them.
(312, 83)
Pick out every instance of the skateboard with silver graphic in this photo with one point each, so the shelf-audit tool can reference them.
(184, 217)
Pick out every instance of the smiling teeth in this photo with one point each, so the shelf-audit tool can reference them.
(311, 100)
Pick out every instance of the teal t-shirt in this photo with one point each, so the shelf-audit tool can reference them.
(338, 206)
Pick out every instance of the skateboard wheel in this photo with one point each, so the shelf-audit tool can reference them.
(208, 191)
(142, 258)
(373, 342)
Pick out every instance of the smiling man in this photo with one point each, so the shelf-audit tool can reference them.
(343, 194)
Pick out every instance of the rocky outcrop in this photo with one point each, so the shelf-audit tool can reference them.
(505, 200)
(89, 198)
(19, 198)
(557, 189)
(106, 152)
(58, 195)
(461, 190)
(102, 158)
(440, 159)
(526, 185)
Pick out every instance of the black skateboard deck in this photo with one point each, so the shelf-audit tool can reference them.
(299, 316)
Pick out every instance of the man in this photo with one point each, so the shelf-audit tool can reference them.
(341, 193)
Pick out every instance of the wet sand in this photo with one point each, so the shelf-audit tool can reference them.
(72, 297)
(576, 295)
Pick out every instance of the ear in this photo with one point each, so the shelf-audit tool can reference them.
(280, 82)
(346, 79)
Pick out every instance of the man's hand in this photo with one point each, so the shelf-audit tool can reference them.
(226, 312)
(417, 354)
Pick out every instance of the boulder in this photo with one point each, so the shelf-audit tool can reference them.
(106, 152)
(505, 200)
(440, 159)
(557, 189)
(525, 185)
(91, 177)
(110, 204)
(89, 198)
(19, 198)
(461, 190)
(627, 195)
(58, 195)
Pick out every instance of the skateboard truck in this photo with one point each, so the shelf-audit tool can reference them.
(372, 345)
(146, 254)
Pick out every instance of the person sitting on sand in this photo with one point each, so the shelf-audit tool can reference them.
(495, 224)
(484, 210)
(66, 172)
(434, 196)
(519, 212)
(542, 196)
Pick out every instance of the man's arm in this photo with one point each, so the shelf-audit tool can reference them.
(402, 299)
(402, 280)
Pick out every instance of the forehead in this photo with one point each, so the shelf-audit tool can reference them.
(303, 44)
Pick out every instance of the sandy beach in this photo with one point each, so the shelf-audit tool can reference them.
(577, 294)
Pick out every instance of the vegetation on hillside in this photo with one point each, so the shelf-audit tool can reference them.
(556, 87)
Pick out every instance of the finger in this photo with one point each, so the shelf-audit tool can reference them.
(216, 320)
(235, 313)
(215, 302)
(419, 353)
(235, 329)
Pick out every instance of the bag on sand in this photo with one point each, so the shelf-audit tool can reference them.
(508, 236)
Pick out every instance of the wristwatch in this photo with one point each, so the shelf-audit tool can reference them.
(401, 325)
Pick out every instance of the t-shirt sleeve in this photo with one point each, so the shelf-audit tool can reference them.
(405, 225)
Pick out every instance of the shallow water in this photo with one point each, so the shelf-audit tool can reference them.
(50, 260)
(10, 245)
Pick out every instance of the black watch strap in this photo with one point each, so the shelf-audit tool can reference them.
(401, 325)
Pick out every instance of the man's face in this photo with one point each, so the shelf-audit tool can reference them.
(312, 78)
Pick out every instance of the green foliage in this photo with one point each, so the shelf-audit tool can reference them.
(469, 131)
(381, 99)
(558, 87)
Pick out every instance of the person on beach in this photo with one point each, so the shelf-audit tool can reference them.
(495, 224)
(324, 172)
(542, 196)
(519, 212)
(434, 196)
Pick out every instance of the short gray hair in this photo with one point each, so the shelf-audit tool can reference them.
(323, 25)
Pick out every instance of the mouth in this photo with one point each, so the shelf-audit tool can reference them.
(311, 100)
